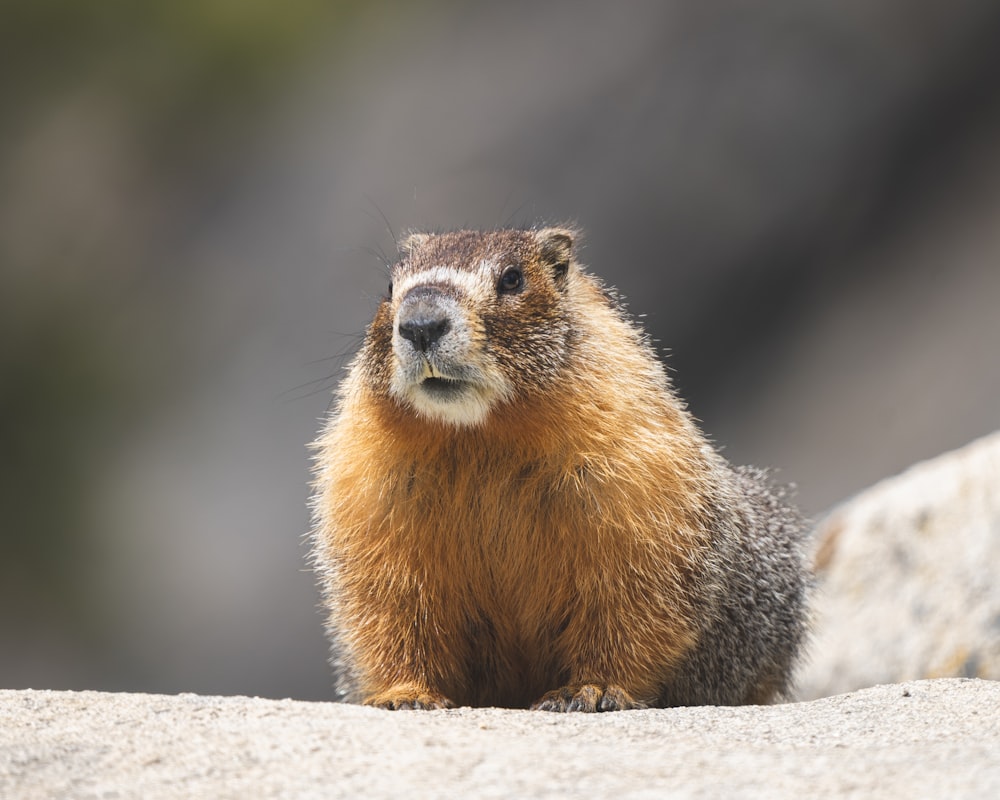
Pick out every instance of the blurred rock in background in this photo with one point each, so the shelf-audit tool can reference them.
(907, 578)
(801, 200)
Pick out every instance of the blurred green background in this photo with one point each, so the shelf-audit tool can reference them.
(801, 199)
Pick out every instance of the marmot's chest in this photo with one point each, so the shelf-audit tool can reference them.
(493, 500)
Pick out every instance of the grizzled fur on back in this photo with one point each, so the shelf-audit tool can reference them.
(513, 508)
(756, 632)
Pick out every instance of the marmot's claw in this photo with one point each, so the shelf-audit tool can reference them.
(405, 698)
(587, 697)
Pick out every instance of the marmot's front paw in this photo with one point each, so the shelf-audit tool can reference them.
(587, 697)
(408, 697)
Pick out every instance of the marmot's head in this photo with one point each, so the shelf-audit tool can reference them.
(472, 320)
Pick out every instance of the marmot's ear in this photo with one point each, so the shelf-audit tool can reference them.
(409, 243)
(556, 247)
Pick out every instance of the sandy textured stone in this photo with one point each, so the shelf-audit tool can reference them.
(922, 739)
(909, 578)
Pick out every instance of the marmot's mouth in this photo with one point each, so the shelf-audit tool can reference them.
(443, 388)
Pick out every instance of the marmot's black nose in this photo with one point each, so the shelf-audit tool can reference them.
(424, 317)
(423, 330)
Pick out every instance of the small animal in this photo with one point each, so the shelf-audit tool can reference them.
(513, 508)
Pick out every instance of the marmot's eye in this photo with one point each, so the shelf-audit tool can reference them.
(512, 280)
(388, 292)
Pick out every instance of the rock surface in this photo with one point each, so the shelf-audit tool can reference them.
(908, 578)
(922, 739)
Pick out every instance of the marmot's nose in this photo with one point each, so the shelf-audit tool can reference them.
(424, 330)
(423, 317)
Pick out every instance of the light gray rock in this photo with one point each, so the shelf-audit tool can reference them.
(909, 578)
(922, 739)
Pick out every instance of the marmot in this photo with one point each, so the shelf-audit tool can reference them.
(512, 507)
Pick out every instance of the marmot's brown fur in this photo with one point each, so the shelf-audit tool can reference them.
(513, 508)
